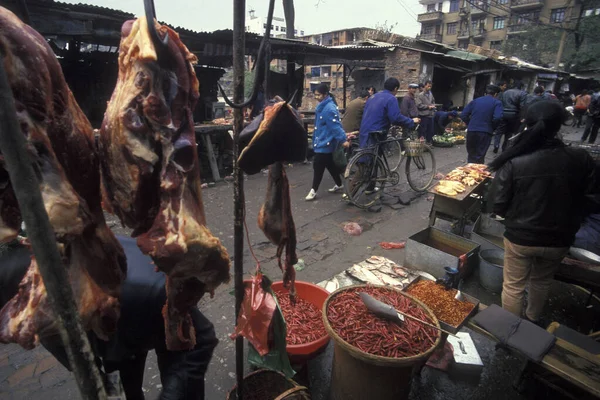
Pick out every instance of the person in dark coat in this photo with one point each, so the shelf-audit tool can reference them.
(482, 116)
(513, 102)
(441, 119)
(408, 107)
(354, 112)
(543, 189)
(140, 329)
(426, 105)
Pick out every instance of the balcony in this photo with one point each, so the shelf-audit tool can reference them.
(526, 4)
(433, 37)
(476, 33)
(463, 34)
(514, 29)
(431, 16)
(479, 8)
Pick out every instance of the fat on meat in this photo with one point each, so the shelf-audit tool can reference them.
(60, 145)
(150, 171)
(276, 221)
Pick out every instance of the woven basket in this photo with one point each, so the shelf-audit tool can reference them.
(414, 148)
(270, 385)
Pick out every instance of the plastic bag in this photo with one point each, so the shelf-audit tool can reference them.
(352, 228)
(256, 313)
(392, 245)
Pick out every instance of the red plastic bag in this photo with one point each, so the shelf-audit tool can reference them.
(392, 245)
(256, 314)
(352, 228)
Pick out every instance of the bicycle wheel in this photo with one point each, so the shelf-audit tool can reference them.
(393, 154)
(420, 170)
(365, 178)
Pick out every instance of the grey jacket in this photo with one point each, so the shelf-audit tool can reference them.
(424, 100)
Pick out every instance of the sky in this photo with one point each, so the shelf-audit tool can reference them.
(313, 16)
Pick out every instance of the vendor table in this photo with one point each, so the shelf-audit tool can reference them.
(203, 132)
(457, 208)
(564, 359)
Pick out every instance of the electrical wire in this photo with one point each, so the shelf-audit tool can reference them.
(409, 12)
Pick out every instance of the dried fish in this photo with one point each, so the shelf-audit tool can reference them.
(364, 275)
(386, 279)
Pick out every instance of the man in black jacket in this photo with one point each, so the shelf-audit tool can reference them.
(140, 329)
(542, 189)
(513, 101)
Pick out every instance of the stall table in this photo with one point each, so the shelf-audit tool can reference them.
(203, 132)
(461, 207)
(564, 359)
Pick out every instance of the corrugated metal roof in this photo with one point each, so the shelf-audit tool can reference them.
(93, 9)
(465, 55)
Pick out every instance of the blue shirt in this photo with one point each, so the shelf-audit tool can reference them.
(328, 127)
(381, 111)
(482, 114)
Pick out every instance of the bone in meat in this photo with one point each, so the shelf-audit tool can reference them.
(60, 144)
(150, 171)
(276, 221)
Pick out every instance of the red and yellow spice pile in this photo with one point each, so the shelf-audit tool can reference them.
(441, 301)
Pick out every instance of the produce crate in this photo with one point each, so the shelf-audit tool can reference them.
(431, 250)
(488, 232)
(444, 325)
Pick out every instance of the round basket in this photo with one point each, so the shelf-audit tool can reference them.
(270, 385)
(414, 148)
(442, 144)
(460, 141)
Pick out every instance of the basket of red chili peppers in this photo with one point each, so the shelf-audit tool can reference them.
(374, 357)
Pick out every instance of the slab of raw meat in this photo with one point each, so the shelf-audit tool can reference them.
(60, 144)
(150, 171)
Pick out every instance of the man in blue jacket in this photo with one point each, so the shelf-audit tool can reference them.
(482, 116)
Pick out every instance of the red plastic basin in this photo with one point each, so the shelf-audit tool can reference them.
(301, 353)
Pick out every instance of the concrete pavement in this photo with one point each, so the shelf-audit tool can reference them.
(326, 250)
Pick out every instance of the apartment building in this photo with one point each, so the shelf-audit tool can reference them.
(258, 25)
(489, 23)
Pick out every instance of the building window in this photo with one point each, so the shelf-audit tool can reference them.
(496, 44)
(315, 72)
(479, 42)
(502, 1)
(302, 33)
(454, 6)
(463, 44)
(477, 24)
(451, 28)
(265, 26)
(557, 15)
(527, 18)
(427, 30)
(499, 23)
(430, 7)
(440, 5)
(283, 29)
(277, 28)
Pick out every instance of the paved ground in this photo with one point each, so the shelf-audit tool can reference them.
(326, 250)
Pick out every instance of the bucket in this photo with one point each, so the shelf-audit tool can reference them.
(357, 375)
(491, 269)
(270, 385)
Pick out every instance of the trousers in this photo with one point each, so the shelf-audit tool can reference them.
(321, 161)
(477, 146)
(507, 128)
(591, 129)
(426, 128)
(525, 265)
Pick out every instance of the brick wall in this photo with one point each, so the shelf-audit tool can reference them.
(404, 65)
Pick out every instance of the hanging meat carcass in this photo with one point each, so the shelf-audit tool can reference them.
(150, 172)
(276, 221)
(61, 146)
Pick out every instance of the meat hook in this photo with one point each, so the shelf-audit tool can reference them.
(260, 67)
(159, 44)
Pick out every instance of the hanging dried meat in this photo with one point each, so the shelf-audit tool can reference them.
(275, 135)
(276, 221)
(150, 171)
(60, 144)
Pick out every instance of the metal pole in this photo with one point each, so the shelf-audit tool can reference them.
(41, 236)
(239, 22)
(344, 77)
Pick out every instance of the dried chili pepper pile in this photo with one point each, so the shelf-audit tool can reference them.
(351, 320)
(441, 301)
(304, 320)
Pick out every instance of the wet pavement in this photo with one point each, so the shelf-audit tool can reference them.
(326, 250)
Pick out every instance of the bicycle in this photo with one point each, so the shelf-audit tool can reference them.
(369, 170)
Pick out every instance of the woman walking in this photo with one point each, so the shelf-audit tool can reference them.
(328, 135)
(543, 188)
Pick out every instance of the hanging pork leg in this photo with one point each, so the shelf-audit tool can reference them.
(276, 221)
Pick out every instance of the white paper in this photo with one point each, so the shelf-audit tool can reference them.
(471, 356)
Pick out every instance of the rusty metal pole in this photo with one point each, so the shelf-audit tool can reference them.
(41, 236)
(239, 27)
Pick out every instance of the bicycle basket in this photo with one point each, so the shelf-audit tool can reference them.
(414, 148)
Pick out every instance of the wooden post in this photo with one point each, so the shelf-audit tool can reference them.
(290, 16)
(41, 235)
(561, 48)
(239, 39)
(344, 83)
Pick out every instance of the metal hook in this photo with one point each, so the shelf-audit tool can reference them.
(159, 44)
(260, 68)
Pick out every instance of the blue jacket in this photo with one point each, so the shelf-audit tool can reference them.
(381, 111)
(328, 127)
(482, 114)
(588, 236)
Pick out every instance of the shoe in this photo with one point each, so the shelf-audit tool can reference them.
(335, 188)
(372, 191)
(311, 195)
(495, 150)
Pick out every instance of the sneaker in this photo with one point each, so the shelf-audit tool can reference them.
(311, 195)
(372, 191)
(335, 188)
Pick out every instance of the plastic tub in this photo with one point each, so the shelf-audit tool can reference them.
(357, 375)
(491, 269)
(301, 353)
